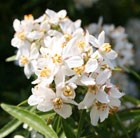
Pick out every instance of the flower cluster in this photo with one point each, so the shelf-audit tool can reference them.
(63, 57)
(119, 39)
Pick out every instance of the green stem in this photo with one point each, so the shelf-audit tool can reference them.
(131, 99)
(81, 121)
(133, 72)
(22, 103)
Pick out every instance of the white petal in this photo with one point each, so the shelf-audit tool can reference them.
(16, 42)
(104, 114)
(94, 116)
(75, 61)
(28, 70)
(50, 13)
(111, 55)
(48, 93)
(34, 35)
(91, 65)
(16, 25)
(114, 92)
(45, 106)
(102, 97)
(32, 100)
(94, 41)
(101, 38)
(65, 111)
(62, 13)
(70, 49)
(77, 23)
(88, 101)
(87, 80)
(115, 102)
(59, 77)
(103, 76)
(34, 53)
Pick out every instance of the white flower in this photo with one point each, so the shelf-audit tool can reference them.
(27, 58)
(54, 17)
(68, 27)
(66, 90)
(63, 57)
(45, 71)
(104, 48)
(98, 111)
(47, 100)
(101, 103)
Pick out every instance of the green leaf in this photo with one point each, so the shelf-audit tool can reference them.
(12, 58)
(129, 114)
(81, 123)
(57, 124)
(68, 129)
(121, 125)
(134, 73)
(10, 127)
(31, 119)
(131, 99)
(134, 125)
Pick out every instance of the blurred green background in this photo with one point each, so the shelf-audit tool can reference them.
(14, 86)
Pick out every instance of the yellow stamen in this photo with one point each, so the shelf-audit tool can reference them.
(21, 35)
(113, 109)
(57, 58)
(57, 102)
(81, 44)
(45, 72)
(23, 60)
(79, 70)
(67, 91)
(104, 66)
(67, 37)
(106, 47)
(101, 106)
(93, 89)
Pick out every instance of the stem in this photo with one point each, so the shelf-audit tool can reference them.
(22, 103)
(81, 121)
(133, 73)
(131, 99)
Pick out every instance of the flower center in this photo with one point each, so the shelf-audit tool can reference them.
(57, 58)
(113, 109)
(45, 72)
(23, 60)
(57, 102)
(67, 37)
(79, 70)
(21, 35)
(106, 47)
(81, 44)
(101, 106)
(67, 91)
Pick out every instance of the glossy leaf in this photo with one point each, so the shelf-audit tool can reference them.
(129, 114)
(131, 99)
(68, 129)
(10, 127)
(31, 119)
